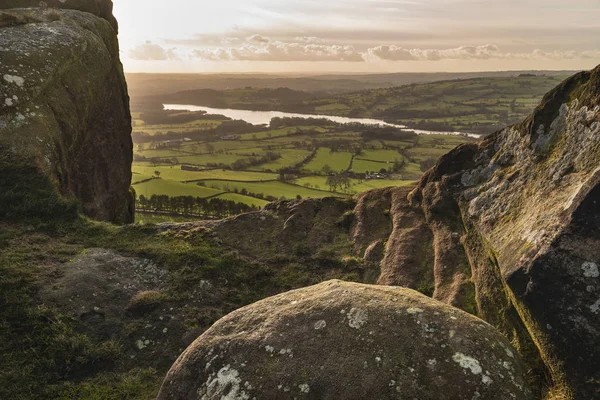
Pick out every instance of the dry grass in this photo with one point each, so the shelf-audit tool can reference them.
(52, 14)
(146, 300)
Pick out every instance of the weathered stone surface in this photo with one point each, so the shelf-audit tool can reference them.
(342, 340)
(64, 103)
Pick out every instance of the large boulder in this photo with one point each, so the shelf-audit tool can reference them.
(341, 340)
(64, 105)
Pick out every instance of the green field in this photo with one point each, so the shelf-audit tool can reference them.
(338, 161)
(275, 189)
(380, 155)
(174, 189)
(238, 198)
(362, 166)
(289, 157)
(357, 186)
(175, 173)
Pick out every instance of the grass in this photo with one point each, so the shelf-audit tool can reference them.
(174, 189)
(142, 218)
(338, 161)
(357, 186)
(289, 158)
(362, 166)
(380, 155)
(275, 189)
(238, 198)
(140, 126)
(175, 173)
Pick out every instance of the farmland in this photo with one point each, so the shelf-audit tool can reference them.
(263, 164)
(213, 158)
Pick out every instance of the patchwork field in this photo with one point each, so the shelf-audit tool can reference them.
(214, 158)
(283, 163)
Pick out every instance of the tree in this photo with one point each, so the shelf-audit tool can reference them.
(327, 169)
(157, 174)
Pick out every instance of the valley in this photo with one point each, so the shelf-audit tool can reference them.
(251, 165)
(245, 156)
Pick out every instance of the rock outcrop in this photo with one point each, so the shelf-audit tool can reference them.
(505, 229)
(515, 232)
(64, 105)
(342, 340)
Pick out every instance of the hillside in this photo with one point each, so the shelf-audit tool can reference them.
(475, 105)
(494, 256)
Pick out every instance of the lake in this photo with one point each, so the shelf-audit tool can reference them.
(264, 117)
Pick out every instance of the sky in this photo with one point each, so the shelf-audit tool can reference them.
(357, 36)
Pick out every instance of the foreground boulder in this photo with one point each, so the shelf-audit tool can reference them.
(340, 340)
(64, 106)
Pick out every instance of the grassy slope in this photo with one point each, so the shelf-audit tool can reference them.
(47, 354)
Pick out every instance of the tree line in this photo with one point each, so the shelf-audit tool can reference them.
(196, 206)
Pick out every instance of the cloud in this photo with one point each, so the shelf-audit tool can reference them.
(483, 52)
(260, 48)
(258, 39)
(152, 52)
(396, 53)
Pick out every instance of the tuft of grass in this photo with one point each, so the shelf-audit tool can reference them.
(52, 14)
(146, 300)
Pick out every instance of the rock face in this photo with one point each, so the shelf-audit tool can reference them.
(515, 228)
(342, 340)
(64, 102)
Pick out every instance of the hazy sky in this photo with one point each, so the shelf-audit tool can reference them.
(357, 35)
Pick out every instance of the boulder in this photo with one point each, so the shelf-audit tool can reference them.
(64, 106)
(340, 340)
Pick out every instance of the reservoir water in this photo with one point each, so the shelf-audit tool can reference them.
(264, 117)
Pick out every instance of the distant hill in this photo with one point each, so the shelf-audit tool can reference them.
(156, 84)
